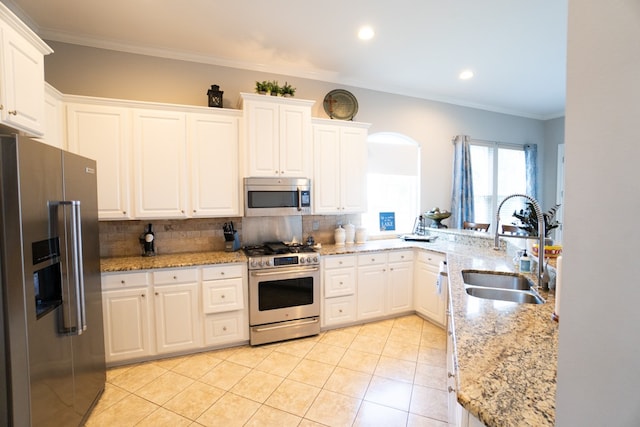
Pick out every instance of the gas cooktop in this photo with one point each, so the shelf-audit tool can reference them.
(277, 248)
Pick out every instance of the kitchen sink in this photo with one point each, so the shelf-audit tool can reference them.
(495, 279)
(520, 297)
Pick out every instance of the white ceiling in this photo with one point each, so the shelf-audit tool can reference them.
(516, 48)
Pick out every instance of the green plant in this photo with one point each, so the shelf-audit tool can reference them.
(262, 86)
(529, 220)
(274, 87)
(287, 89)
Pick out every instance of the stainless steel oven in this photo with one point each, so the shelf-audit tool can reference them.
(284, 296)
(277, 196)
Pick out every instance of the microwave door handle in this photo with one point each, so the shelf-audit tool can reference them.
(299, 199)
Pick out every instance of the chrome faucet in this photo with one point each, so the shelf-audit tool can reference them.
(543, 281)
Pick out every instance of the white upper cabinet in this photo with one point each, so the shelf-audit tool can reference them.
(340, 166)
(159, 154)
(21, 75)
(213, 152)
(277, 136)
(54, 128)
(103, 133)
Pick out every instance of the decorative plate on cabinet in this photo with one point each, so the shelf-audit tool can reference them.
(340, 104)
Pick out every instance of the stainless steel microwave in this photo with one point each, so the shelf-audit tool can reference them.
(277, 196)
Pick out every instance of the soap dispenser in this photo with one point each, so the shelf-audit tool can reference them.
(525, 263)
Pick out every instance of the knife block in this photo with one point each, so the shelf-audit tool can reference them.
(232, 242)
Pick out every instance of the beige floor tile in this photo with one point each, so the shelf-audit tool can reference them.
(434, 340)
(334, 409)
(257, 385)
(396, 369)
(401, 350)
(374, 415)
(223, 353)
(308, 423)
(428, 328)
(368, 344)
(164, 418)
(196, 365)
(163, 388)
(112, 373)
(432, 356)
(225, 375)
(170, 362)
(409, 322)
(229, 411)
(429, 402)
(194, 400)
(349, 382)
(406, 336)
(278, 363)
(338, 338)
(375, 329)
(249, 356)
(298, 348)
(136, 378)
(359, 361)
(326, 353)
(311, 372)
(388, 392)
(431, 376)
(293, 397)
(420, 421)
(127, 412)
(111, 395)
(272, 417)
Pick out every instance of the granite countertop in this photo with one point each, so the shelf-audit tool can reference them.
(109, 265)
(506, 353)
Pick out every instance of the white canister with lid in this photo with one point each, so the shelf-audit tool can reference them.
(361, 235)
(339, 236)
(350, 233)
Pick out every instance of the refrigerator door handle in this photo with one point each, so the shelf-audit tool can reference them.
(77, 262)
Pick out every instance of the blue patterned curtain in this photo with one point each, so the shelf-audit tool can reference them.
(462, 193)
(531, 164)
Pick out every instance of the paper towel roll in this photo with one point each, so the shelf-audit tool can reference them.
(556, 311)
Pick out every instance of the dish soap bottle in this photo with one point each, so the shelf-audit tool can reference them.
(525, 263)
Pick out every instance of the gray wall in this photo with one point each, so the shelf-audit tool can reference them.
(97, 72)
(599, 367)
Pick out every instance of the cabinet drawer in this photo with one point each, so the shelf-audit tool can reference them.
(225, 328)
(124, 280)
(429, 257)
(339, 310)
(224, 271)
(400, 256)
(339, 282)
(181, 275)
(374, 258)
(222, 295)
(340, 261)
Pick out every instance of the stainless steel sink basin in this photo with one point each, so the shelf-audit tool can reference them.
(520, 297)
(499, 280)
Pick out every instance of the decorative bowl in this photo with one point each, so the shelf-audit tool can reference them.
(550, 251)
(437, 215)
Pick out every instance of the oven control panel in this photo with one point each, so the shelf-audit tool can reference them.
(280, 261)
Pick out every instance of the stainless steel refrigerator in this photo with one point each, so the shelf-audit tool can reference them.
(51, 298)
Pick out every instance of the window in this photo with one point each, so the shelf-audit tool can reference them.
(498, 171)
(393, 183)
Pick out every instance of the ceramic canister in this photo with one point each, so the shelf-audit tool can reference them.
(339, 236)
(361, 235)
(350, 233)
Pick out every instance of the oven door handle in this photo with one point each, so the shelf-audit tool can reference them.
(287, 325)
(280, 272)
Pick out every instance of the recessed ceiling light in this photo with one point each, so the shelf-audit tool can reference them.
(366, 33)
(465, 75)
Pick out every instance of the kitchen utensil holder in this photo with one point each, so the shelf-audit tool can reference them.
(232, 241)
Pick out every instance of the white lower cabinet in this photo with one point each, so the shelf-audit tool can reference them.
(339, 287)
(165, 311)
(400, 286)
(127, 309)
(430, 299)
(372, 285)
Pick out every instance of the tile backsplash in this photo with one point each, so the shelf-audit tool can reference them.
(121, 238)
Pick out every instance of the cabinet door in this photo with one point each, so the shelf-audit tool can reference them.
(126, 324)
(263, 147)
(226, 328)
(103, 133)
(295, 141)
(430, 300)
(353, 169)
(327, 182)
(54, 125)
(222, 295)
(177, 317)
(372, 285)
(400, 290)
(22, 83)
(159, 140)
(213, 151)
(339, 311)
